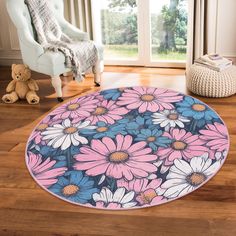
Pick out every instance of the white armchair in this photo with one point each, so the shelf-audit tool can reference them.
(33, 54)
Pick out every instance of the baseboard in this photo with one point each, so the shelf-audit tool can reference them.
(9, 57)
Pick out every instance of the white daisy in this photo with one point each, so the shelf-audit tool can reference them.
(184, 177)
(117, 199)
(169, 119)
(65, 134)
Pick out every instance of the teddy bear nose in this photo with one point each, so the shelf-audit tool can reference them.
(17, 77)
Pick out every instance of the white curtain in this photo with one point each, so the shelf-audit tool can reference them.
(201, 29)
(78, 13)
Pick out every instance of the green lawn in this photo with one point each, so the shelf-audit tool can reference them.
(171, 56)
(130, 52)
(121, 52)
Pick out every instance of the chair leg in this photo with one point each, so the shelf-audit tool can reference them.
(97, 71)
(56, 83)
(97, 79)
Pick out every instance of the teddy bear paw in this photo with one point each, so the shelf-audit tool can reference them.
(8, 98)
(33, 100)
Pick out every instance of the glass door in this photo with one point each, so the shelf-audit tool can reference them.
(142, 32)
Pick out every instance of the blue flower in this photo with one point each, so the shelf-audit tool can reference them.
(191, 107)
(128, 117)
(103, 129)
(148, 117)
(47, 151)
(74, 187)
(112, 94)
(153, 138)
(136, 124)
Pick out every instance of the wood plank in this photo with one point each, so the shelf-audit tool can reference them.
(6, 232)
(86, 223)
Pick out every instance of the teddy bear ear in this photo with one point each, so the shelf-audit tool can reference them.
(13, 66)
(26, 66)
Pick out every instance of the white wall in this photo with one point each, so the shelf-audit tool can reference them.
(9, 46)
(226, 28)
(224, 32)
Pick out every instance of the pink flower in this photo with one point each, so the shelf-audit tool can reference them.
(216, 137)
(106, 111)
(76, 109)
(97, 95)
(43, 170)
(116, 159)
(146, 192)
(184, 145)
(149, 99)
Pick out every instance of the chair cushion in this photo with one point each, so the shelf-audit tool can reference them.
(51, 63)
(52, 58)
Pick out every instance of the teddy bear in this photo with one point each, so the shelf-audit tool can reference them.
(22, 86)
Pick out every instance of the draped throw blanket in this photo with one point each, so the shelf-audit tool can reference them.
(79, 55)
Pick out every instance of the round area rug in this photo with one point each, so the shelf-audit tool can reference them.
(127, 148)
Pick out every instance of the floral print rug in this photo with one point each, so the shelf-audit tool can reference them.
(127, 148)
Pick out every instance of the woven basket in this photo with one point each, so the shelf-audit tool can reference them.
(210, 83)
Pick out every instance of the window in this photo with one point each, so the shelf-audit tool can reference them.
(142, 32)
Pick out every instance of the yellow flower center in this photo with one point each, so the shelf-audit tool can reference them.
(102, 129)
(151, 139)
(147, 97)
(198, 107)
(118, 157)
(42, 127)
(148, 196)
(196, 179)
(70, 190)
(173, 116)
(100, 111)
(179, 145)
(73, 107)
(70, 130)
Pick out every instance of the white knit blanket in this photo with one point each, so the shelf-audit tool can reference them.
(79, 55)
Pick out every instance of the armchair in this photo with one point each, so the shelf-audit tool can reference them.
(33, 54)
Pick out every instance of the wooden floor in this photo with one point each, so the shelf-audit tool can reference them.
(26, 209)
